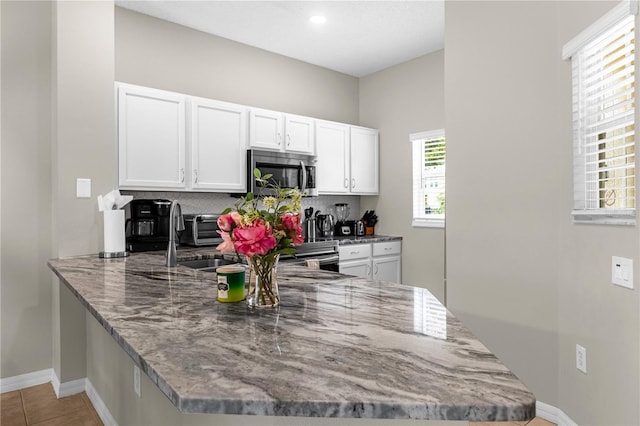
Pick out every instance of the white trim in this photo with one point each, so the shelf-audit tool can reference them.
(553, 414)
(431, 134)
(99, 405)
(26, 380)
(620, 11)
(604, 217)
(427, 223)
(67, 388)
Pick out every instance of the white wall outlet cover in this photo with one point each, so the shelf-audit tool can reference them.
(581, 359)
(83, 188)
(622, 271)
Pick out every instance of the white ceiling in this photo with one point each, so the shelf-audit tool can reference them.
(359, 37)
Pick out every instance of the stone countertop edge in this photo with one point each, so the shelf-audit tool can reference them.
(408, 374)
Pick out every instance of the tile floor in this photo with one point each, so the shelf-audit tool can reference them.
(39, 406)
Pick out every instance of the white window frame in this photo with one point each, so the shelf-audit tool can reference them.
(417, 154)
(586, 208)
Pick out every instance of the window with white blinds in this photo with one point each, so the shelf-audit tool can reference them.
(429, 158)
(603, 69)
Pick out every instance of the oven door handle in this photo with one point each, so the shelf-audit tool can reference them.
(323, 260)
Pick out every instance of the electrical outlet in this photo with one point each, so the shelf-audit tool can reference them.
(581, 359)
(136, 379)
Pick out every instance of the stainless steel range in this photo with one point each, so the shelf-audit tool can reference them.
(326, 252)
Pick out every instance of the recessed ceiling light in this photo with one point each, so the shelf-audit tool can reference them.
(318, 19)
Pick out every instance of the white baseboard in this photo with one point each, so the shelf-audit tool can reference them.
(61, 389)
(26, 380)
(100, 406)
(67, 388)
(553, 414)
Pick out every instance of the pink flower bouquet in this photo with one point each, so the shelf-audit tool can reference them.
(262, 229)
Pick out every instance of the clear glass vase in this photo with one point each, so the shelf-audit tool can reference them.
(263, 281)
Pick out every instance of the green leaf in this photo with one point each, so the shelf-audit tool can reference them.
(257, 173)
(267, 176)
(249, 196)
(226, 211)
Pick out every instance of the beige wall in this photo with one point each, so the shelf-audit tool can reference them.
(526, 280)
(592, 312)
(404, 99)
(25, 234)
(57, 125)
(151, 52)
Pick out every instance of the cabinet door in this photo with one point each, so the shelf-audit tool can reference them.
(265, 129)
(358, 268)
(151, 138)
(218, 146)
(387, 268)
(332, 148)
(299, 134)
(364, 161)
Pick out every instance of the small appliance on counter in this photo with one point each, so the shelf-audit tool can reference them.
(309, 226)
(149, 228)
(343, 226)
(201, 230)
(326, 224)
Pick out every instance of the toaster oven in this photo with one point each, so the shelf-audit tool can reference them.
(200, 230)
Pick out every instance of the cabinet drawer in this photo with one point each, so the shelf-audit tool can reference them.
(354, 251)
(387, 249)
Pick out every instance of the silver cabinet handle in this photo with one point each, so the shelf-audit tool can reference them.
(355, 252)
(387, 248)
(182, 175)
(353, 182)
(376, 272)
(288, 139)
(346, 182)
(195, 173)
(368, 270)
(279, 138)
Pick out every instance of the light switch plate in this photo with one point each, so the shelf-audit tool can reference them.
(83, 188)
(581, 359)
(622, 271)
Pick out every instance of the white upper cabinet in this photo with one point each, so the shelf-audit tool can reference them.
(364, 160)
(299, 134)
(151, 138)
(266, 129)
(347, 159)
(276, 131)
(332, 148)
(218, 146)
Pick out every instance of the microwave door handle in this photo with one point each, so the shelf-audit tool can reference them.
(304, 177)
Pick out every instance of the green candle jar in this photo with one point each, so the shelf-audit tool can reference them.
(230, 283)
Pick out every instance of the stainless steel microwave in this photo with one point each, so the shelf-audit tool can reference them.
(288, 170)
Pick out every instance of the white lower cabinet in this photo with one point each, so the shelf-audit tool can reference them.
(355, 259)
(380, 261)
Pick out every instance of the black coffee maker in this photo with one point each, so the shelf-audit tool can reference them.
(148, 227)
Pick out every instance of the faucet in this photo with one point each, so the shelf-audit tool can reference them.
(175, 213)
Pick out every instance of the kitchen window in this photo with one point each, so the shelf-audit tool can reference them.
(603, 76)
(429, 152)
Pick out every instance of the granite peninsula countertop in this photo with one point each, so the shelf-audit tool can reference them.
(338, 346)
